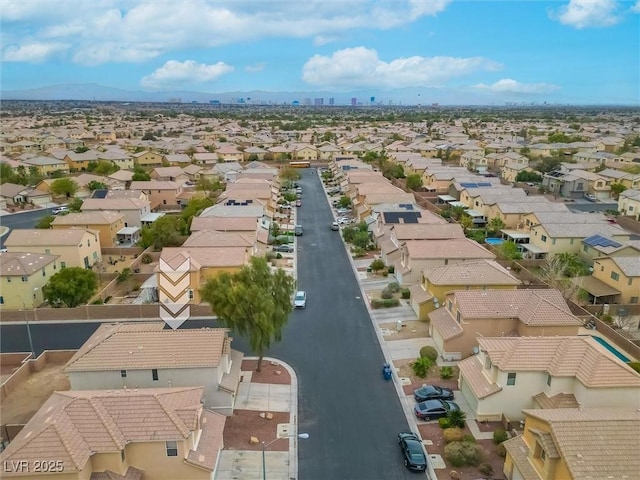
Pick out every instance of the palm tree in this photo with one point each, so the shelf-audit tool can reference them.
(495, 224)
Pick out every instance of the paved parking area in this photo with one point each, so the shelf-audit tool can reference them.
(266, 397)
(247, 465)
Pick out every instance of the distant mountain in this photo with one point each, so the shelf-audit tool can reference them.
(100, 93)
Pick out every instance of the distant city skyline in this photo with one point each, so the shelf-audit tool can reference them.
(455, 52)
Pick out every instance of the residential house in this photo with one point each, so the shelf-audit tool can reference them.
(47, 165)
(466, 314)
(512, 212)
(629, 204)
(474, 161)
(511, 374)
(79, 162)
(225, 224)
(598, 246)
(328, 151)
(192, 171)
(437, 282)
(302, 151)
(133, 209)
(162, 194)
(147, 159)
(176, 160)
(181, 358)
(129, 433)
(107, 224)
(621, 274)
(391, 241)
(23, 276)
(14, 194)
(418, 255)
(509, 171)
(205, 158)
(228, 152)
(120, 158)
(253, 153)
(75, 247)
(574, 444)
(169, 174)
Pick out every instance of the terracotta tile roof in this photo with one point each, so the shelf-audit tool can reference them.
(427, 231)
(531, 307)
(595, 442)
(72, 426)
(561, 400)
(453, 248)
(481, 272)
(23, 264)
(442, 320)
(131, 474)
(148, 345)
(213, 238)
(471, 370)
(210, 257)
(419, 295)
(210, 443)
(580, 357)
(225, 224)
(154, 185)
(89, 218)
(41, 237)
(519, 452)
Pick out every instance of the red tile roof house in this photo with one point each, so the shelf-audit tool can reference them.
(123, 434)
(119, 356)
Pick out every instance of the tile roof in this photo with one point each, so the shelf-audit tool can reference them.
(427, 231)
(124, 346)
(519, 452)
(213, 238)
(481, 272)
(154, 185)
(23, 264)
(225, 224)
(442, 320)
(529, 306)
(113, 203)
(47, 237)
(72, 426)
(471, 371)
(210, 442)
(89, 218)
(452, 248)
(595, 443)
(580, 357)
(210, 257)
(561, 400)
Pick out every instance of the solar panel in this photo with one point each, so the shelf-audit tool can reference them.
(600, 241)
(485, 184)
(100, 193)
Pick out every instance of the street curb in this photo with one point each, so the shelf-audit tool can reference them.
(293, 414)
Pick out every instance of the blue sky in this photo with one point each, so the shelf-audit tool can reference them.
(567, 51)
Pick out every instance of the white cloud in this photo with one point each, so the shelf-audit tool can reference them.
(636, 7)
(321, 40)
(258, 67)
(507, 85)
(360, 67)
(32, 52)
(103, 31)
(189, 72)
(588, 13)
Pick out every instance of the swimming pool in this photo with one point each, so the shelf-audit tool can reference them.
(494, 241)
(611, 348)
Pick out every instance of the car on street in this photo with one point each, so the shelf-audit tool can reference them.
(297, 230)
(298, 203)
(60, 210)
(590, 197)
(343, 211)
(412, 451)
(344, 220)
(283, 248)
(300, 300)
(433, 409)
(429, 392)
(335, 226)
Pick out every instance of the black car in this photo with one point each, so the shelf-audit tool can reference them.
(412, 451)
(432, 409)
(430, 392)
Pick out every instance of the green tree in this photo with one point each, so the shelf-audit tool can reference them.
(64, 186)
(193, 209)
(102, 167)
(510, 250)
(526, 176)
(140, 175)
(209, 187)
(71, 287)
(289, 173)
(466, 222)
(376, 265)
(617, 189)
(75, 205)
(81, 149)
(57, 174)
(164, 232)
(421, 366)
(6, 173)
(254, 302)
(94, 185)
(45, 222)
(344, 202)
(496, 224)
(414, 181)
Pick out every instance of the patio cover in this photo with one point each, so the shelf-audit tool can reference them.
(128, 230)
(532, 248)
(595, 287)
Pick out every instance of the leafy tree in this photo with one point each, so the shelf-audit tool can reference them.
(495, 224)
(466, 222)
(377, 265)
(75, 205)
(344, 202)
(6, 173)
(456, 418)
(164, 232)
(71, 287)
(81, 149)
(149, 136)
(193, 209)
(617, 189)
(510, 250)
(64, 186)
(102, 167)
(141, 176)
(289, 173)
(209, 187)
(255, 302)
(45, 222)
(526, 176)
(289, 197)
(414, 181)
(57, 174)
(547, 165)
(94, 185)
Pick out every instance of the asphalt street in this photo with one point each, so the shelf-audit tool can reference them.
(27, 219)
(350, 412)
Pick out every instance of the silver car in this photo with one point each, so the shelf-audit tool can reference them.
(300, 300)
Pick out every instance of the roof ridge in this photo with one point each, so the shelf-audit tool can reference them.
(100, 413)
(54, 425)
(80, 353)
(171, 412)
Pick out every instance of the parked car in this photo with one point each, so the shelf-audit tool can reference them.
(429, 392)
(433, 409)
(60, 210)
(298, 231)
(335, 226)
(298, 203)
(344, 220)
(283, 248)
(300, 300)
(342, 211)
(590, 197)
(412, 451)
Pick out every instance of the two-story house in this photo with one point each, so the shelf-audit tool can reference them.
(128, 433)
(147, 159)
(107, 224)
(74, 247)
(621, 274)
(629, 203)
(511, 374)
(180, 358)
(161, 194)
(133, 209)
(23, 276)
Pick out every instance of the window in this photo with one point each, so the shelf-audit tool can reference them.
(511, 378)
(458, 316)
(123, 373)
(154, 374)
(172, 448)
(25, 279)
(629, 281)
(633, 300)
(8, 279)
(88, 243)
(190, 294)
(44, 273)
(615, 276)
(548, 380)
(47, 251)
(1, 300)
(122, 456)
(449, 305)
(585, 248)
(63, 265)
(95, 255)
(543, 238)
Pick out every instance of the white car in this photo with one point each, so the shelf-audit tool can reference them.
(300, 300)
(344, 220)
(591, 198)
(59, 210)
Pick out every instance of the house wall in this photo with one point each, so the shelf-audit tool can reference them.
(629, 206)
(152, 458)
(109, 461)
(17, 294)
(556, 470)
(547, 331)
(149, 159)
(607, 397)
(605, 269)
(69, 256)
(107, 233)
(512, 399)
(158, 198)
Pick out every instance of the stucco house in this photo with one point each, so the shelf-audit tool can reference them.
(107, 224)
(120, 356)
(133, 209)
(161, 194)
(574, 444)
(511, 374)
(629, 204)
(621, 274)
(467, 314)
(147, 159)
(23, 275)
(132, 434)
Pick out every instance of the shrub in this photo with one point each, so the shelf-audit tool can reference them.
(376, 265)
(391, 269)
(385, 273)
(270, 256)
(386, 293)
(377, 303)
(456, 418)
(460, 454)
(468, 438)
(443, 422)
(500, 436)
(501, 450)
(394, 287)
(452, 435)
(391, 302)
(405, 293)
(446, 373)
(429, 352)
(485, 469)
(421, 367)
(278, 255)
(146, 259)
